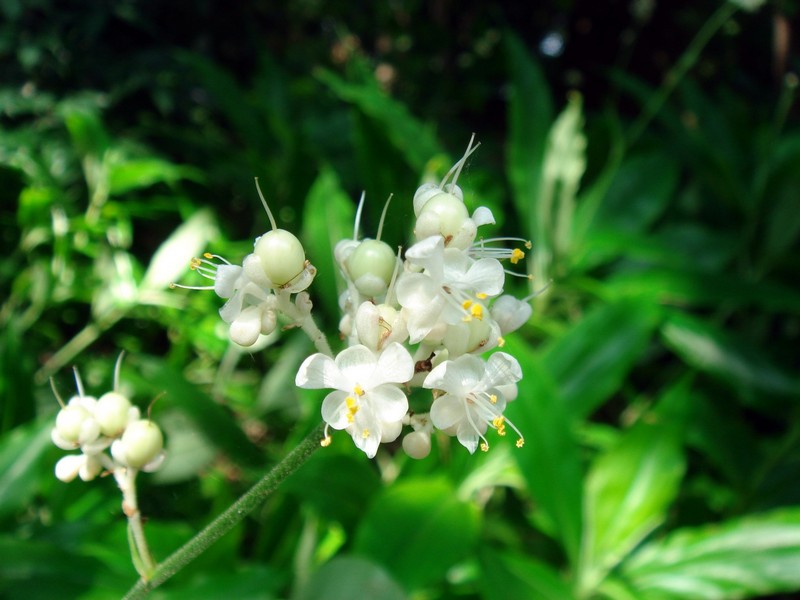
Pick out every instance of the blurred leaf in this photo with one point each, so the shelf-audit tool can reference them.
(33, 570)
(591, 360)
(22, 452)
(731, 358)
(550, 459)
(215, 422)
(254, 582)
(639, 192)
(530, 114)
(415, 140)
(328, 217)
(628, 491)
(171, 260)
(675, 286)
(189, 450)
(417, 529)
(141, 173)
(740, 558)
(514, 575)
(86, 130)
(349, 577)
(335, 497)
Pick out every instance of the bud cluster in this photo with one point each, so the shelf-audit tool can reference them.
(97, 425)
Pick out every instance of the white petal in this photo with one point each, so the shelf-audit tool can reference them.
(501, 369)
(388, 402)
(90, 469)
(483, 216)
(225, 282)
(366, 432)
(459, 376)
(67, 467)
(447, 410)
(468, 437)
(428, 253)
(510, 313)
(395, 364)
(334, 412)
(246, 328)
(486, 275)
(357, 365)
(318, 372)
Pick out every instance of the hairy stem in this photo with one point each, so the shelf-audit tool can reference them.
(231, 517)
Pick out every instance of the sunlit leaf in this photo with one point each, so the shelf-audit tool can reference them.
(752, 556)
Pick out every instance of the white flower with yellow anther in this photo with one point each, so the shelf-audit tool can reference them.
(451, 288)
(469, 398)
(367, 400)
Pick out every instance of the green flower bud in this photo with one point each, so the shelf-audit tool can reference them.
(141, 443)
(370, 266)
(69, 422)
(282, 256)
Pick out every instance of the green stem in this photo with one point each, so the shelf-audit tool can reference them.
(687, 60)
(231, 517)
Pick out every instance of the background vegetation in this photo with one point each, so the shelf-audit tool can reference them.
(650, 152)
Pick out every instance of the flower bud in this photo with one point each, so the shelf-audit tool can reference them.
(282, 256)
(69, 422)
(112, 413)
(417, 444)
(370, 266)
(446, 215)
(140, 444)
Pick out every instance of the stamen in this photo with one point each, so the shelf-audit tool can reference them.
(266, 206)
(516, 256)
(78, 382)
(359, 391)
(383, 216)
(501, 341)
(55, 392)
(390, 292)
(460, 164)
(357, 222)
(117, 369)
(174, 285)
(365, 434)
(326, 439)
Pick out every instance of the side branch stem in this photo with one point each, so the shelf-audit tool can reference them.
(231, 517)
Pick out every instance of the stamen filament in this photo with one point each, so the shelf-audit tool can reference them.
(266, 206)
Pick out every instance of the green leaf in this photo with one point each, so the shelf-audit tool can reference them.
(335, 497)
(513, 575)
(216, 424)
(415, 140)
(628, 491)
(740, 558)
(141, 173)
(730, 358)
(172, 258)
(328, 217)
(349, 577)
(22, 452)
(594, 357)
(550, 460)
(418, 529)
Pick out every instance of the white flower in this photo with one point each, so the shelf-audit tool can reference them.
(510, 313)
(449, 289)
(88, 466)
(472, 400)
(367, 400)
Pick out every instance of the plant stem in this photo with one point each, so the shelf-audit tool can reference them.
(687, 60)
(231, 517)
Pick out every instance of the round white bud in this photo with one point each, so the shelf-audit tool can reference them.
(282, 256)
(417, 444)
(446, 215)
(69, 422)
(390, 431)
(370, 266)
(141, 443)
(111, 413)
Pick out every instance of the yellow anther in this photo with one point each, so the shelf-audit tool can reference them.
(208, 255)
(466, 318)
(194, 263)
(528, 245)
(358, 390)
(516, 256)
(481, 295)
(484, 447)
(493, 398)
(520, 443)
(501, 341)
(326, 441)
(350, 402)
(365, 434)
(466, 304)
(477, 311)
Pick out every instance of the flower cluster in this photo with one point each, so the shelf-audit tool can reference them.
(415, 324)
(94, 425)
